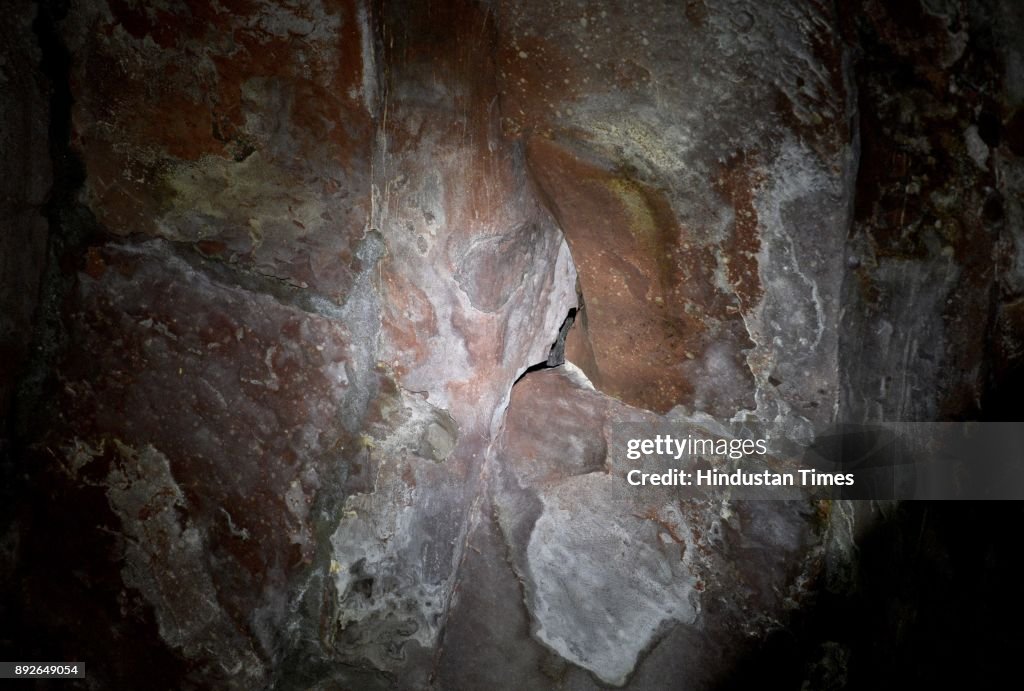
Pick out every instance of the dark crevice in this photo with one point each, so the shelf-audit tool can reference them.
(556, 355)
(84, 573)
(71, 225)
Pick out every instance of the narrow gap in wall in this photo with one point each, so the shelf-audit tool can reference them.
(556, 355)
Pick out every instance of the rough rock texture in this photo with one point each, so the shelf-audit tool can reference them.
(613, 575)
(287, 339)
(242, 130)
(478, 278)
(211, 416)
(1006, 148)
(277, 277)
(929, 228)
(703, 179)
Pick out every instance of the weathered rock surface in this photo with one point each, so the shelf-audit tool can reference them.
(212, 417)
(1006, 211)
(276, 432)
(610, 573)
(244, 130)
(929, 221)
(703, 178)
(285, 397)
(478, 278)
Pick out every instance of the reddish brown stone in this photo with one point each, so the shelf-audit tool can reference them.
(206, 123)
(275, 425)
(642, 561)
(648, 285)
